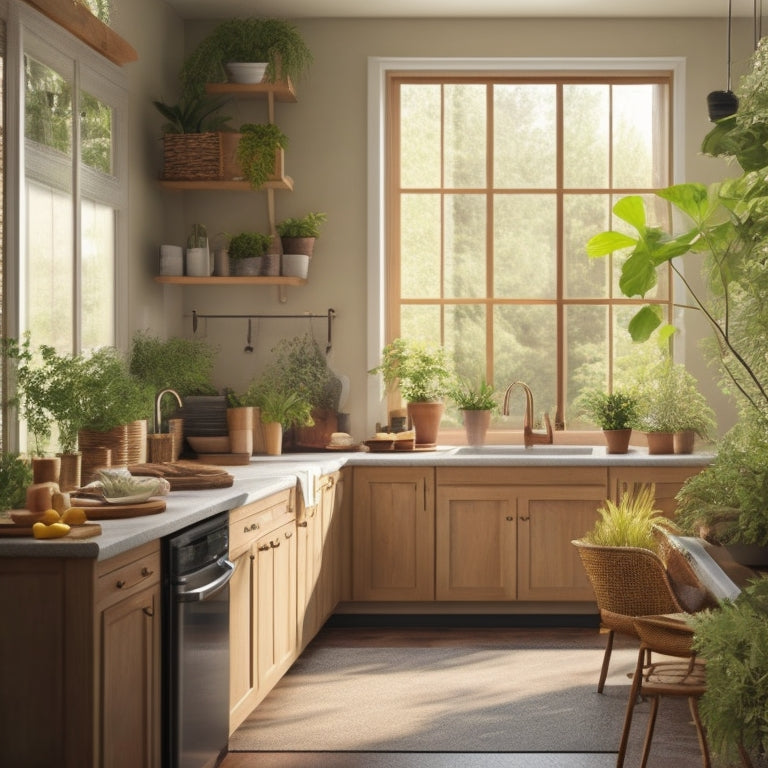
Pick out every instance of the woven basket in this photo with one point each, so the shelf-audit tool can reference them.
(192, 156)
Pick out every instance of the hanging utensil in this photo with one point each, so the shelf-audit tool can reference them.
(248, 345)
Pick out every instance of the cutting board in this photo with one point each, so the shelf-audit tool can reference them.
(186, 475)
(9, 529)
(99, 511)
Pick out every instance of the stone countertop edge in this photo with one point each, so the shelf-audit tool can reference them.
(266, 475)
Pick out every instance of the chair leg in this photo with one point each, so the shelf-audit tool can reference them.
(636, 680)
(649, 731)
(693, 706)
(606, 661)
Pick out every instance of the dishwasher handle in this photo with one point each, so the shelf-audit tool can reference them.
(211, 588)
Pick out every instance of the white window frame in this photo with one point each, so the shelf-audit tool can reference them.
(28, 31)
(378, 70)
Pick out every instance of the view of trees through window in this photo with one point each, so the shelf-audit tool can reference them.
(498, 184)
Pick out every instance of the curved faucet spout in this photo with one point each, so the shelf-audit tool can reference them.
(158, 399)
(529, 436)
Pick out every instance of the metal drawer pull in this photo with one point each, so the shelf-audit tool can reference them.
(148, 611)
(302, 525)
(263, 547)
(274, 544)
(252, 527)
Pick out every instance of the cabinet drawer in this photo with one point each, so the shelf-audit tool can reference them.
(127, 574)
(251, 521)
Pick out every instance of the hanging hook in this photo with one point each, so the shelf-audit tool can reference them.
(248, 345)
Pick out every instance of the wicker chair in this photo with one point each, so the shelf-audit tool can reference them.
(628, 582)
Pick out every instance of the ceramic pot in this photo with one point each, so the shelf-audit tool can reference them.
(46, 469)
(476, 425)
(304, 245)
(683, 442)
(248, 267)
(240, 425)
(71, 470)
(273, 438)
(295, 265)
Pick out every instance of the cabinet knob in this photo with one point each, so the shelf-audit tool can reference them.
(146, 571)
(148, 611)
(288, 534)
(302, 524)
(274, 544)
(263, 547)
(510, 518)
(524, 519)
(251, 527)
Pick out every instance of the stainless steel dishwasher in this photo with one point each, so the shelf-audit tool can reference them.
(196, 574)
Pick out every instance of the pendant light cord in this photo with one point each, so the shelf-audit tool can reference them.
(728, 86)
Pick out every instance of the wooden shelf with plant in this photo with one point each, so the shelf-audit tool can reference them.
(231, 280)
(283, 90)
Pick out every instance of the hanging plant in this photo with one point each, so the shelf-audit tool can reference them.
(256, 151)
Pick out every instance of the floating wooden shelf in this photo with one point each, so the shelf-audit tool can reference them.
(285, 184)
(280, 91)
(230, 280)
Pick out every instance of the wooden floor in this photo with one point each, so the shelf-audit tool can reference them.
(420, 638)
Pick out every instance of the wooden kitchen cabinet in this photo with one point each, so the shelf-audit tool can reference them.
(80, 650)
(128, 609)
(668, 481)
(262, 618)
(393, 533)
(319, 558)
(505, 534)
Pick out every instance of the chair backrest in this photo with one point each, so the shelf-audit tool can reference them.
(628, 580)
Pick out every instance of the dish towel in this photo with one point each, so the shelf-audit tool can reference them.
(309, 482)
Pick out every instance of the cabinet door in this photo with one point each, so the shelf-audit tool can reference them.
(276, 605)
(330, 556)
(475, 543)
(243, 679)
(548, 520)
(130, 681)
(309, 554)
(668, 481)
(393, 538)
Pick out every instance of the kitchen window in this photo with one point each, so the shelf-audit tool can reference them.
(494, 182)
(67, 211)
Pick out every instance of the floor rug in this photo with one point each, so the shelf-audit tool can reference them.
(444, 699)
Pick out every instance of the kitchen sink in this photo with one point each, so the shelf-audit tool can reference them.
(521, 450)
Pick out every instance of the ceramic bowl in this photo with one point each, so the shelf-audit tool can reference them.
(245, 72)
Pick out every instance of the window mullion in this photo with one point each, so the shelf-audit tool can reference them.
(77, 223)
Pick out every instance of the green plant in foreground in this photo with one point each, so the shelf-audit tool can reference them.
(15, 476)
(631, 522)
(733, 638)
(475, 397)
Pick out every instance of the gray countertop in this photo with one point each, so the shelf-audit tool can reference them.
(266, 475)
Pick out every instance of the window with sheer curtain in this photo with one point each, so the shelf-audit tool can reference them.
(494, 186)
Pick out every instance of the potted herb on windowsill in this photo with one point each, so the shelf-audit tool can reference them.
(614, 412)
(477, 402)
(424, 376)
(274, 42)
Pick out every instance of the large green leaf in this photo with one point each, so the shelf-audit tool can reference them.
(608, 242)
(632, 210)
(645, 322)
(695, 200)
(638, 274)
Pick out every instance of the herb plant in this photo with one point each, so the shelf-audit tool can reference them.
(421, 372)
(248, 245)
(304, 226)
(193, 114)
(609, 410)
(15, 477)
(475, 397)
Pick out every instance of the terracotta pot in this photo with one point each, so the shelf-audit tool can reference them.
(660, 442)
(319, 435)
(617, 440)
(273, 438)
(425, 418)
(305, 245)
(683, 442)
(476, 425)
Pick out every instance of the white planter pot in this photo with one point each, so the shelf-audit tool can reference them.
(295, 265)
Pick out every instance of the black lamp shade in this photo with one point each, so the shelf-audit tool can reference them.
(722, 104)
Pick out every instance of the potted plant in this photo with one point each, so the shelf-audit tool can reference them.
(274, 42)
(476, 402)
(614, 412)
(15, 477)
(669, 402)
(298, 235)
(246, 250)
(258, 152)
(192, 144)
(733, 638)
(300, 363)
(281, 407)
(423, 375)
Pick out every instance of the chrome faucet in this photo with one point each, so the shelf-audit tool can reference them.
(529, 436)
(158, 417)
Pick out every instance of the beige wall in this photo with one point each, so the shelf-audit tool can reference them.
(327, 158)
